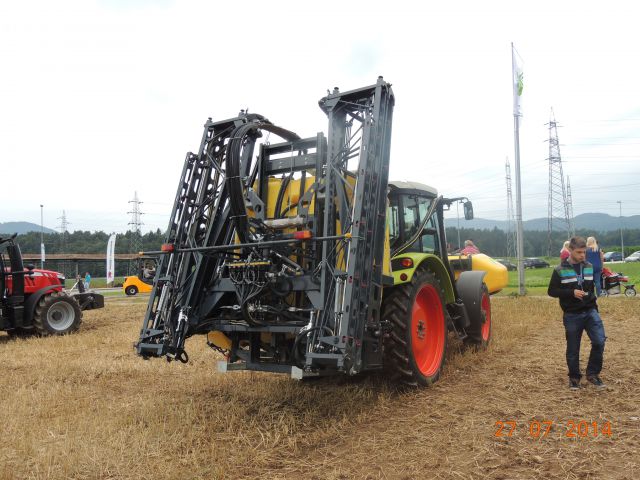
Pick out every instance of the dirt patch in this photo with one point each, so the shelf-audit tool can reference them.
(84, 406)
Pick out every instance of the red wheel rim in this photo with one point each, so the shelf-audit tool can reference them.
(427, 330)
(486, 310)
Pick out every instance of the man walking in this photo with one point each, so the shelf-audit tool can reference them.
(572, 283)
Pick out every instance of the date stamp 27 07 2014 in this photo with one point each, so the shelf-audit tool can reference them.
(539, 429)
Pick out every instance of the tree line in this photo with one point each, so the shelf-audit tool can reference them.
(89, 242)
(492, 242)
(536, 243)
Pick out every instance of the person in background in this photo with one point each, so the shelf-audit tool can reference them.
(469, 248)
(564, 252)
(79, 284)
(596, 258)
(87, 281)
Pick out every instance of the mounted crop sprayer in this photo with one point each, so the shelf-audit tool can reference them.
(283, 258)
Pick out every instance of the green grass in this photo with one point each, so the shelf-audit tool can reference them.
(100, 282)
(536, 280)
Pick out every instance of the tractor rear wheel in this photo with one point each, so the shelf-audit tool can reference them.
(56, 314)
(414, 351)
(479, 332)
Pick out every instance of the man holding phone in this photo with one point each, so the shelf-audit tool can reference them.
(572, 283)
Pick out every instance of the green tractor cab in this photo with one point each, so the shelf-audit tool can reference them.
(416, 236)
(432, 293)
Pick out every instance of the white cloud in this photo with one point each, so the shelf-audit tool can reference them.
(103, 99)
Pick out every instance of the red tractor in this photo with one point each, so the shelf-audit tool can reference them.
(34, 300)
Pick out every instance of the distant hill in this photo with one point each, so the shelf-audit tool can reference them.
(21, 227)
(596, 222)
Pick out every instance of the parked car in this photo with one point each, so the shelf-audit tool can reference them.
(535, 263)
(507, 263)
(613, 257)
(634, 257)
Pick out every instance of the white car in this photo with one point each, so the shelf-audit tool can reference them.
(634, 257)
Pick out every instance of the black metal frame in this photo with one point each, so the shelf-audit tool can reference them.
(235, 270)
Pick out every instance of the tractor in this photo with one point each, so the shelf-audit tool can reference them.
(34, 300)
(297, 255)
(142, 282)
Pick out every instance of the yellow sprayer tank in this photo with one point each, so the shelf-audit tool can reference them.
(497, 276)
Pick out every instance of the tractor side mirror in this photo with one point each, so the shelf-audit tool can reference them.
(468, 210)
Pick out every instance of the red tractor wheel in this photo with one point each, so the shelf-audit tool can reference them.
(479, 332)
(56, 314)
(414, 351)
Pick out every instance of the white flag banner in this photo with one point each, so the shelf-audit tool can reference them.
(518, 81)
(42, 252)
(111, 250)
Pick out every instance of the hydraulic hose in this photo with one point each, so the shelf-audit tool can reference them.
(283, 188)
(238, 139)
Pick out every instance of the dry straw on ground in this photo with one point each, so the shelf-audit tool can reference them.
(85, 407)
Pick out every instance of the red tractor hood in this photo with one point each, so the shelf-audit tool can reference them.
(36, 279)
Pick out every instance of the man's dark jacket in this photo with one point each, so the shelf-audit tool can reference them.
(565, 279)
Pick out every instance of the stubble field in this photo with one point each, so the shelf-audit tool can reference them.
(85, 407)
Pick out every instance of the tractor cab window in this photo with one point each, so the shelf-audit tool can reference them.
(393, 220)
(405, 216)
(415, 209)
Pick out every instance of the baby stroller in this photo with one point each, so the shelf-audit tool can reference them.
(611, 284)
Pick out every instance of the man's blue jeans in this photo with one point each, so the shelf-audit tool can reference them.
(574, 325)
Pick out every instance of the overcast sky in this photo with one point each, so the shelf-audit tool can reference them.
(100, 99)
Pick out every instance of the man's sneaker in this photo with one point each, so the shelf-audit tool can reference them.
(574, 384)
(595, 381)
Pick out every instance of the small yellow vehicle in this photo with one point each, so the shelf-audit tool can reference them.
(143, 281)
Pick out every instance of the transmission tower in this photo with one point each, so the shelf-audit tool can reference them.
(64, 226)
(135, 240)
(64, 229)
(572, 223)
(558, 218)
(511, 231)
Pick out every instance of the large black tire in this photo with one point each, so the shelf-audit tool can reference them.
(57, 314)
(479, 332)
(21, 332)
(414, 350)
(131, 290)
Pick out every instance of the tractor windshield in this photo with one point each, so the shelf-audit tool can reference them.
(406, 213)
